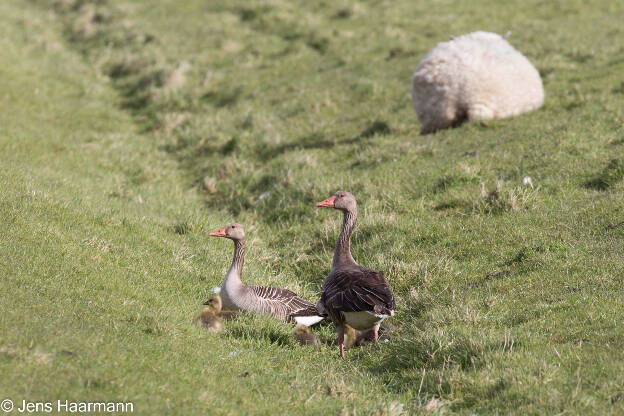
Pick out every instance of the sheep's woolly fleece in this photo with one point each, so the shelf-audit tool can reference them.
(477, 76)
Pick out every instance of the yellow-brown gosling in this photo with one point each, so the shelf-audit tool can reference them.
(209, 318)
(215, 302)
(304, 336)
(350, 337)
(355, 338)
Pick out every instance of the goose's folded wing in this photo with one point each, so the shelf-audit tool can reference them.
(355, 290)
(309, 310)
(290, 301)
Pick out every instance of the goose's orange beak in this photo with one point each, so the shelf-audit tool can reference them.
(219, 233)
(328, 203)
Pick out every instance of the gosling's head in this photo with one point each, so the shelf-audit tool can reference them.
(301, 330)
(214, 303)
(342, 200)
(304, 336)
(232, 231)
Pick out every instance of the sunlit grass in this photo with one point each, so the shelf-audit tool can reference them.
(133, 129)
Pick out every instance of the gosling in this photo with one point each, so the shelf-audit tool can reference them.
(210, 318)
(304, 336)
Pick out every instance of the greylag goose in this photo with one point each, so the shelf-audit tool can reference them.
(352, 294)
(209, 318)
(267, 300)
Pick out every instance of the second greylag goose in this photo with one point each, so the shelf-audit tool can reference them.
(352, 294)
(282, 304)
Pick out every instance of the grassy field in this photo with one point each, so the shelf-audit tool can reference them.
(130, 129)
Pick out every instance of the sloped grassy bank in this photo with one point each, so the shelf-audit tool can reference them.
(155, 123)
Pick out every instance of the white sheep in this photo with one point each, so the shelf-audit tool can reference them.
(477, 76)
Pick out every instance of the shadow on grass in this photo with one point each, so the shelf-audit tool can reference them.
(270, 198)
(610, 175)
(403, 360)
(427, 365)
(272, 336)
(316, 141)
(453, 204)
(449, 181)
(265, 20)
(223, 98)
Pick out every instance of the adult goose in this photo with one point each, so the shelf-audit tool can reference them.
(352, 294)
(267, 300)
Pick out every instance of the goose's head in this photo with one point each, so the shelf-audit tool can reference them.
(232, 231)
(342, 200)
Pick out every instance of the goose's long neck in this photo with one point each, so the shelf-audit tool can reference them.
(342, 252)
(233, 276)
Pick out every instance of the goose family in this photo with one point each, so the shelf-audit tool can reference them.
(356, 299)
(352, 294)
(279, 303)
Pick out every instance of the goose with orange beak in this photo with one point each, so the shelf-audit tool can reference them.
(279, 303)
(352, 294)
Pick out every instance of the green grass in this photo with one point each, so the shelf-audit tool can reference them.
(133, 128)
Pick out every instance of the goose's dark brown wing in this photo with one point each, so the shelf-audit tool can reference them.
(357, 289)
